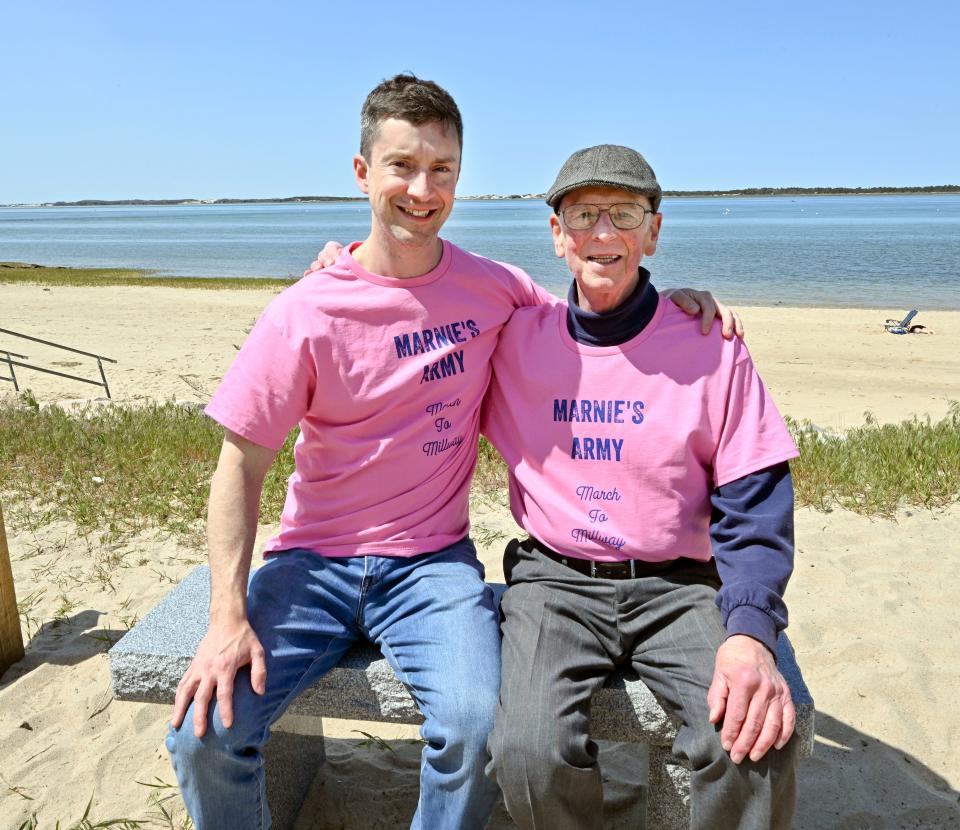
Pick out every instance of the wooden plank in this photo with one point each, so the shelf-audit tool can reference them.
(11, 641)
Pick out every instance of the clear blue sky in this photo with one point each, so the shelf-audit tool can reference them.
(205, 99)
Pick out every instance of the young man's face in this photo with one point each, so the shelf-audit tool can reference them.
(411, 178)
(604, 259)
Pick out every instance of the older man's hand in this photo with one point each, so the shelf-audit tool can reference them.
(326, 257)
(752, 699)
(694, 302)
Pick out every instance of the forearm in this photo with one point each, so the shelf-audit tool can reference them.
(232, 517)
(752, 534)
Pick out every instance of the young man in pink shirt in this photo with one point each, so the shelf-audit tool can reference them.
(650, 469)
(382, 360)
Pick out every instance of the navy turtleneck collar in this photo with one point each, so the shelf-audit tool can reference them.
(614, 327)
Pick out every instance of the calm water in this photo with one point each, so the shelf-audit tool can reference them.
(880, 251)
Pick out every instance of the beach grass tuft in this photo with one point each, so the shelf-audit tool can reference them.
(117, 470)
(160, 804)
(490, 476)
(876, 468)
(24, 273)
(85, 822)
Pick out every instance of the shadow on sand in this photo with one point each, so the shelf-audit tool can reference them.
(63, 642)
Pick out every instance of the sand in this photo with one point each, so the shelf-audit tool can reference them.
(873, 609)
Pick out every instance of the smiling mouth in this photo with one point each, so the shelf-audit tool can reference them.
(416, 214)
(604, 260)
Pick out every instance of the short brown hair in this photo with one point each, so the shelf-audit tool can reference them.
(409, 98)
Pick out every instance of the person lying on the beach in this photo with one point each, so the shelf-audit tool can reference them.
(632, 448)
(383, 360)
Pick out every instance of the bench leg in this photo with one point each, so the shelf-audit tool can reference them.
(292, 759)
(668, 799)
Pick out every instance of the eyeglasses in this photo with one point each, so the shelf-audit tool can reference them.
(625, 215)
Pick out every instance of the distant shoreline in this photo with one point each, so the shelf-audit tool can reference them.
(748, 192)
(65, 276)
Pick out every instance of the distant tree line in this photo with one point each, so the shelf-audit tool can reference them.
(285, 199)
(744, 191)
(815, 191)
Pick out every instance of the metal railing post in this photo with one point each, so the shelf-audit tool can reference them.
(104, 378)
(8, 357)
(11, 363)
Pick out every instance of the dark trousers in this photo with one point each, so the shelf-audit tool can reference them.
(563, 634)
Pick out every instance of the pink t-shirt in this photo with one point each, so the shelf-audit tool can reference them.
(385, 378)
(614, 451)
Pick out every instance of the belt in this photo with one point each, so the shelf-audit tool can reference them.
(630, 569)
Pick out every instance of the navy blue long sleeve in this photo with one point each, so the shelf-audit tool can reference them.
(751, 524)
(751, 528)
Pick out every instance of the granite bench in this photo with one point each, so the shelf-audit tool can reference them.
(148, 662)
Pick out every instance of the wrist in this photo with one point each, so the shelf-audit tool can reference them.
(228, 614)
(751, 622)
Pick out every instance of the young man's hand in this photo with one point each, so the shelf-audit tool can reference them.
(695, 302)
(751, 697)
(222, 652)
(326, 257)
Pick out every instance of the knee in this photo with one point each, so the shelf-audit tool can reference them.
(186, 749)
(471, 721)
(706, 754)
(537, 752)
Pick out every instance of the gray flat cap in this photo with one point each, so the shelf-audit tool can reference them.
(606, 165)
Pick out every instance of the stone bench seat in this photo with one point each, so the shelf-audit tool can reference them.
(148, 662)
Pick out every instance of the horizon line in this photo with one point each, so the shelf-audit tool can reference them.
(743, 191)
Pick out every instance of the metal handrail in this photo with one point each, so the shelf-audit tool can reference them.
(11, 363)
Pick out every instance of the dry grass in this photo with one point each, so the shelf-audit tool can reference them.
(24, 273)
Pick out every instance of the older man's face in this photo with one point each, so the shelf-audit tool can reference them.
(604, 259)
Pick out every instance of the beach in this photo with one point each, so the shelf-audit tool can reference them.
(873, 614)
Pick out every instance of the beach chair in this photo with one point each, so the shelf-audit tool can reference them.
(902, 326)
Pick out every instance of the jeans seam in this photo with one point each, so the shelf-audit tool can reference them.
(295, 691)
(261, 788)
(362, 593)
(398, 670)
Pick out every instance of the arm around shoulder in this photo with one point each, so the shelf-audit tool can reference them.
(707, 307)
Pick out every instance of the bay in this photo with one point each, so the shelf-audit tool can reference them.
(892, 252)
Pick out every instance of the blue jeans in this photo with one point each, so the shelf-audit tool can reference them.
(433, 618)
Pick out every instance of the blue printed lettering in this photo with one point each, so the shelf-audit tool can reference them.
(436, 408)
(403, 346)
(594, 411)
(596, 449)
(433, 339)
(587, 492)
(447, 366)
(582, 534)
